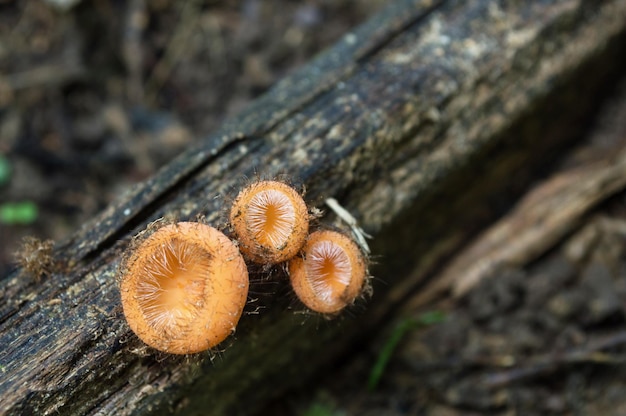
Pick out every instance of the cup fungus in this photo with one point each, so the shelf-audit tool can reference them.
(329, 274)
(271, 222)
(184, 288)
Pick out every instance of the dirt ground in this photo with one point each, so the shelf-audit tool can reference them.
(96, 96)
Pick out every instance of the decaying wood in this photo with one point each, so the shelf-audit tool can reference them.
(409, 122)
(542, 218)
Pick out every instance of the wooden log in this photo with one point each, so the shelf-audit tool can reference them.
(415, 122)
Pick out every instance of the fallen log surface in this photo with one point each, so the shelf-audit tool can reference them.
(411, 122)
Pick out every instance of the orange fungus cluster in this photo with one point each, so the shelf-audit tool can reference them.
(184, 286)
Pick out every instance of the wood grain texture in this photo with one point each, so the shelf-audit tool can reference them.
(408, 121)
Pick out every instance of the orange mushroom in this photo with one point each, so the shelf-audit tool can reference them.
(184, 288)
(271, 222)
(330, 274)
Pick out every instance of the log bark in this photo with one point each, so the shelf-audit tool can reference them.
(418, 122)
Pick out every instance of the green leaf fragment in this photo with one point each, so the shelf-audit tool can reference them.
(425, 319)
(18, 213)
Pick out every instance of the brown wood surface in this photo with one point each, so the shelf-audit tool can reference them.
(416, 122)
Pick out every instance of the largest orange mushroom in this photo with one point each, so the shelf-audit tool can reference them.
(184, 288)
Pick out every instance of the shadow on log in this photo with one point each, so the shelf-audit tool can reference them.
(424, 122)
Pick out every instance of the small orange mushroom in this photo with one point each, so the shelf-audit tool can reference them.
(184, 288)
(330, 274)
(271, 222)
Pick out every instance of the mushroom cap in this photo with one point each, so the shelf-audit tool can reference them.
(330, 274)
(184, 288)
(270, 220)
